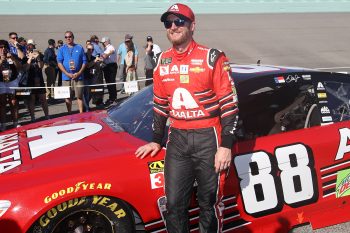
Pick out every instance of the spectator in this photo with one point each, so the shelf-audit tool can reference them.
(87, 42)
(9, 66)
(22, 44)
(59, 72)
(150, 59)
(110, 70)
(90, 73)
(50, 68)
(97, 49)
(72, 62)
(122, 50)
(15, 46)
(34, 68)
(130, 68)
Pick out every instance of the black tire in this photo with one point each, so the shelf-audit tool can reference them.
(95, 214)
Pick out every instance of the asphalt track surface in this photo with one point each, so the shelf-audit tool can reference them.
(317, 40)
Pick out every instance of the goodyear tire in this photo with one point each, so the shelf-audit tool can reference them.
(96, 214)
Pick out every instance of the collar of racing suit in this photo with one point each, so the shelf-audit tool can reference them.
(181, 56)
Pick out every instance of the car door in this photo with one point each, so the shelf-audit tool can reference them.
(291, 152)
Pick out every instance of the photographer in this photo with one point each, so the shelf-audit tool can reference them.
(92, 75)
(34, 68)
(150, 59)
(9, 67)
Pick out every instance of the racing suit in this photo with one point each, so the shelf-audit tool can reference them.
(194, 89)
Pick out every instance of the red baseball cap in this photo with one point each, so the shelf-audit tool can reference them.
(180, 10)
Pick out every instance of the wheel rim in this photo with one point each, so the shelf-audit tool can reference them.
(85, 221)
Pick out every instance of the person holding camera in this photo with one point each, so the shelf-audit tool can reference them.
(150, 59)
(50, 68)
(15, 47)
(9, 67)
(34, 66)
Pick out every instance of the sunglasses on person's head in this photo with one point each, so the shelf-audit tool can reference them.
(177, 22)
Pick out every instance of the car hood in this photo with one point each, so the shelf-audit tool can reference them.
(61, 142)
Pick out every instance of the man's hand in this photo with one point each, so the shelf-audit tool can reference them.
(222, 159)
(144, 150)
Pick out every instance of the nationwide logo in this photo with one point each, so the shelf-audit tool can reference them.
(197, 62)
(197, 69)
(306, 77)
(279, 79)
(320, 86)
(183, 69)
(164, 70)
(325, 110)
(322, 95)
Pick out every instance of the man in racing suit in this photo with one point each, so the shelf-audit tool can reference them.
(192, 86)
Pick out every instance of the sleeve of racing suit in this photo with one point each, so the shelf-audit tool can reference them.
(160, 105)
(228, 102)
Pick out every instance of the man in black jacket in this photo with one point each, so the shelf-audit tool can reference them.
(50, 67)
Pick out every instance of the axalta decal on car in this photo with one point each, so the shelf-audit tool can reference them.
(48, 139)
(83, 201)
(79, 186)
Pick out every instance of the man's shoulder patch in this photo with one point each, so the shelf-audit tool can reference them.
(213, 56)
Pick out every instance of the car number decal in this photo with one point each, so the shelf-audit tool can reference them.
(266, 187)
(49, 138)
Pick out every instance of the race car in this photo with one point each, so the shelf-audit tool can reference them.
(290, 166)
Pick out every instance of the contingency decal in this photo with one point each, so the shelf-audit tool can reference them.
(52, 138)
(269, 182)
(343, 183)
(10, 156)
(156, 170)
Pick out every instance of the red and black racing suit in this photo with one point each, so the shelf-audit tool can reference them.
(196, 91)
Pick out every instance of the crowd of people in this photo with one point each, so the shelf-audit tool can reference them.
(28, 74)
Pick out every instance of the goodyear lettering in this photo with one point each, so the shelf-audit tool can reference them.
(52, 213)
(10, 156)
(107, 202)
(74, 189)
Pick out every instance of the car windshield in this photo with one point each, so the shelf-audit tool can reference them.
(135, 114)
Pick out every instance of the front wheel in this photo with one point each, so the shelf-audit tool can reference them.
(96, 214)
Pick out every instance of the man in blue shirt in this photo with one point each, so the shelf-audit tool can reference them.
(71, 61)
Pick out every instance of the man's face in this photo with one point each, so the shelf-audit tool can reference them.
(178, 35)
(69, 38)
(13, 38)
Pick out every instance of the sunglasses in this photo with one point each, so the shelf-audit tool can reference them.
(90, 49)
(68, 37)
(177, 22)
(14, 38)
(1, 47)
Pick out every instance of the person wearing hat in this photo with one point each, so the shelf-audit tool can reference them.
(192, 87)
(152, 50)
(71, 61)
(109, 57)
(121, 54)
(50, 67)
(33, 67)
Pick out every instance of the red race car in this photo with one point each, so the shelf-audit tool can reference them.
(291, 164)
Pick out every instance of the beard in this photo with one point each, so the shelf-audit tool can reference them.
(185, 35)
